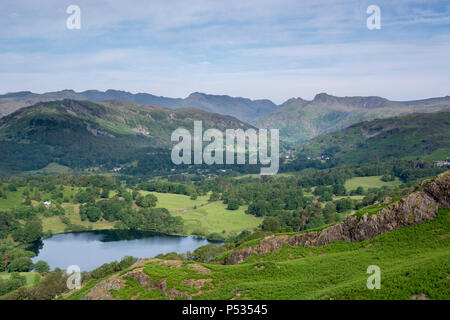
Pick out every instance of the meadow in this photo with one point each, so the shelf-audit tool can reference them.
(214, 217)
(32, 277)
(176, 202)
(369, 182)
(55, 225)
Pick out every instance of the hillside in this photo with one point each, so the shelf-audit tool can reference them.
(82, 134)
(300, 120)
(241, 108)
(410, 136)
(406, 238)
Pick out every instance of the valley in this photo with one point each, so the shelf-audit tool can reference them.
(86, 171)
(263, 153)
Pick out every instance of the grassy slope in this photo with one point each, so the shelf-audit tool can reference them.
(415, 135)
(214, 217)
(177, 202)
(413, 260)
(369, 182)
(56, 226)
(30, 276)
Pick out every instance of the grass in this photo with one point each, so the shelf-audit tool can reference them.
(51, 169)
(176, 202)
(351, 197)
(206, 218)
(413, 260)
(214, 217)
(16, 198)
(30, 276)
(55, 225)
(369, 182)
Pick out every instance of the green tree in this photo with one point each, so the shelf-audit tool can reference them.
(32, 230)
(147, 201)
(22, 264)
(41, 266)
(233, 204)
(93, 213)
(271, 224)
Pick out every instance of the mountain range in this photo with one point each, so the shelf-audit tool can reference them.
(297, 119)
(300, 120)
(82, 134)
(241, 108)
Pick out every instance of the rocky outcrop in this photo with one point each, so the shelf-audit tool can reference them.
(102, 290)
(420, 206)
(139, 276)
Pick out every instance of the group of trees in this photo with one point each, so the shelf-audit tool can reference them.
(167, 187)
(150, 219)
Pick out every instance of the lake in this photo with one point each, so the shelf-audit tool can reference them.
(91, 249)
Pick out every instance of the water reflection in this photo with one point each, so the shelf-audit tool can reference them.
(91, 249)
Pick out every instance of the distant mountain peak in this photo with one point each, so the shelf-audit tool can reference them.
(323, 97)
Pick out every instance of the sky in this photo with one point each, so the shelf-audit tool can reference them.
(265, 49)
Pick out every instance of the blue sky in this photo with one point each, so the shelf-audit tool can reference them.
(275, 49)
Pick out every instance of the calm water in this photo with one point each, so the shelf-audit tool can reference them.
(91, 249)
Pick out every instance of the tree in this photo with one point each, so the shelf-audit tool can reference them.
(207, 253)
(271, 224)
(22, 264)
(41, 267)
(329, 212)
(148, 201)
(359, 190)
(339, 190)
(215, 237)
(93, 213)
(32, 231)
(82, 196)
(26, 192)
(314, 222)
(37, 196)
(258, 208)
(215, 196)
(105, 193)
(233, 204)
(344, 204)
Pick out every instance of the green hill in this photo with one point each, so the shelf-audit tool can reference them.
(300, 120)
(409, 244)
(410, 136)
(81, 134)
(242, 108)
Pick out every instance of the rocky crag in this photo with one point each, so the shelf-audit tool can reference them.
(419, 206)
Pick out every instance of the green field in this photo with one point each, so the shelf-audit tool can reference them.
(55, 225)
(214, 217)
(414, 261)
(30, 276)
(51, 169)
(351, 197)
(176, 202)
(369, 182)
(207, 217)
(16, 198)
